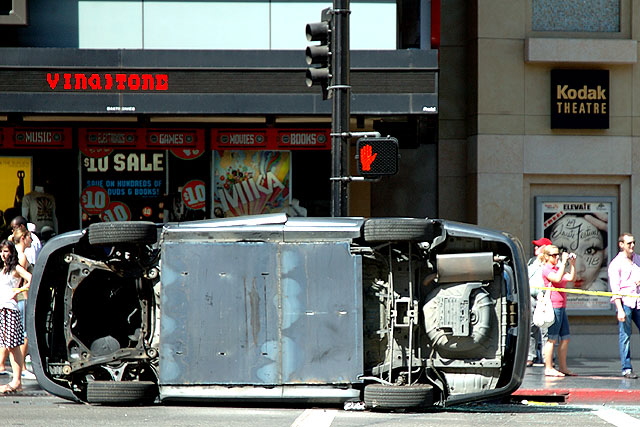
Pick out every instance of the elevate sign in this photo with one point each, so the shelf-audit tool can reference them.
(580, 99)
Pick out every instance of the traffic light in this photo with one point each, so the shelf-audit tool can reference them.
(320, 56)
(377, 156)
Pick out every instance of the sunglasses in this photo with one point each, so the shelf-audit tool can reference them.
(554, 255)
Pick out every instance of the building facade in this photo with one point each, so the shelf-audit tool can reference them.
(168, 111)
(539, 134)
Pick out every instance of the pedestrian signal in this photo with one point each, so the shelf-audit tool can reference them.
(377, 156)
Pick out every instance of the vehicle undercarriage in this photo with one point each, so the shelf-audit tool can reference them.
(129, 313)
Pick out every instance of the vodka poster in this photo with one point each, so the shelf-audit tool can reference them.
(251, 182)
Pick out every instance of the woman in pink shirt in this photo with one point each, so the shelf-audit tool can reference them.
(554, 275)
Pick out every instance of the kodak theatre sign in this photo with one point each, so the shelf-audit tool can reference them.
(580, 99)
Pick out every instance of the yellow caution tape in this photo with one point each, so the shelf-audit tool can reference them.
(580, 291)
(538, 403)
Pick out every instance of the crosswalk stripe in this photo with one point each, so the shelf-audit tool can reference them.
(617, 418)
(315, 418)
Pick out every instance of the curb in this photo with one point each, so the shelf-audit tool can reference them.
(578, 395)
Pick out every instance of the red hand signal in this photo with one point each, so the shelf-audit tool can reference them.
(366, 157)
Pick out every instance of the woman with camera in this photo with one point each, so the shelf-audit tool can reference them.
(555, 276)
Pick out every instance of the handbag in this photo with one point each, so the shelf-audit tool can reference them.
(21, 296)
(543, 315)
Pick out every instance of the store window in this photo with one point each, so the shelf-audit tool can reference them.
(142, 174)
(603, 16)
(254, 171)
(13, 12)
(218, 24)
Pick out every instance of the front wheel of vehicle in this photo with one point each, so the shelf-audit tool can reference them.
(121, 392)
(137, 232)
(378, 396)
(398, 229)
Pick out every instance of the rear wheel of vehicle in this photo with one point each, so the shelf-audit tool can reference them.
(107, 233)
(121, 392)
(396, 229)
(378, 396)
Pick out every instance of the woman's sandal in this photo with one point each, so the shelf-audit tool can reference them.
(9, 389)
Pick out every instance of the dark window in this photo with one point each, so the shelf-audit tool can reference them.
(5, 6)
(13, 12)
(408, 25)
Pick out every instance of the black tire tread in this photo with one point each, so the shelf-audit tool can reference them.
(378, 396)
(106, 233)
(121, 392)
(398, 229)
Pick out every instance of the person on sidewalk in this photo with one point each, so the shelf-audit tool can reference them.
(554, 275)
(538, 335)
(624, 278)
(11, 332)
(22, 238)
(32, 250)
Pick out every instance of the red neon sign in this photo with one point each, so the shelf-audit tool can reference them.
(108, 81)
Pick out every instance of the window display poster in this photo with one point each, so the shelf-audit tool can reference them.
(15, 182)
(587, 227)
(251, 182)
(123, 186)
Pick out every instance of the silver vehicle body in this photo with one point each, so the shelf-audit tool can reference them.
(398, 312)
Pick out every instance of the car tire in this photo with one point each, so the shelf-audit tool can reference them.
(121, 392)
(378, 396)
(107, 233)
(398, 229)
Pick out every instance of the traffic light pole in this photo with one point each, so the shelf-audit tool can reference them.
(341, 112)
(330, 68)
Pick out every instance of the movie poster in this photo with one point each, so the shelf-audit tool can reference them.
(587, 227)
(250, 182)
(15, 182)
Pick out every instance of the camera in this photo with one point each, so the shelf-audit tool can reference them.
(571, 256)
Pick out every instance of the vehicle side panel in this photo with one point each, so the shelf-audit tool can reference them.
(262, 313)
(322, 313)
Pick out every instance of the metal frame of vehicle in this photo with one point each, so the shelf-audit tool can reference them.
(397, 312)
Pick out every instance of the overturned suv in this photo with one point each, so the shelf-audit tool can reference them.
(395, 312)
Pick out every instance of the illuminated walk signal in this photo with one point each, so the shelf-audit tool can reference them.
(377, 156)
(319, 57)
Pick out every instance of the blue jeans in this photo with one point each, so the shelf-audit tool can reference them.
(624, 335)
(559, 331)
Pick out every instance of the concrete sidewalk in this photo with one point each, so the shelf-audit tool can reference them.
(597, 381)
(30, 387)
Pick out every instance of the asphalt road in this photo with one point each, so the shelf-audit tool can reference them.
(40, 409)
